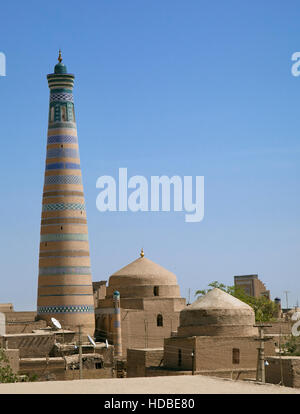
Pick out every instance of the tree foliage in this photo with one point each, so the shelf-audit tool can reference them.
(6, 373)
(263, 307)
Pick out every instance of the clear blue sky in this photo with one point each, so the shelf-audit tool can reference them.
(162, 87)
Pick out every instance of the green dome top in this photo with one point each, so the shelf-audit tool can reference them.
(60, 68)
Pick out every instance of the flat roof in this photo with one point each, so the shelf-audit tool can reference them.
(179, 384)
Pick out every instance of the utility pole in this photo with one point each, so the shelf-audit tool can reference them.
(286, 296)
(80, 353)
(260, 373)
(280, 359)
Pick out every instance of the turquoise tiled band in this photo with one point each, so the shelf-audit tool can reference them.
(63, 206)
(65, 309)
(65, 270)
(63, 237)
(63, 179)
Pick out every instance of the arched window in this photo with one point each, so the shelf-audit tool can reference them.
(52, 114)
(63, 113)
(159, 319)
(156, 291)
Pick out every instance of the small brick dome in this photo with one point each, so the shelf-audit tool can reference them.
(217, 314)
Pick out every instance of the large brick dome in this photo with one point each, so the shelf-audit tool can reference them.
(217, 314)
(143, 278)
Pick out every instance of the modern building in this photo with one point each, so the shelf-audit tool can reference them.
(150, 303)
(252, 286)
(64, 284)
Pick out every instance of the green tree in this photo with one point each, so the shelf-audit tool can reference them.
(6, 373)
(263, 307)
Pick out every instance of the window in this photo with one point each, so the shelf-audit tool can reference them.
(52, 114)
(63, 113)
(179, 357)
(159, 320)
(235, 356)
(156, 291)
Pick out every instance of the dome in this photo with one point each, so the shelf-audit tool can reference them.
(143, 271)
(60, 68)
(217, 314)
(140, 277)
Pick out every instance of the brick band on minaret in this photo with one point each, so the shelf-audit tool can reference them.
(65, 283)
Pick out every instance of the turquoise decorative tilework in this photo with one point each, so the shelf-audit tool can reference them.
(65, 309)
(65, 270)
(62, 96)
(63, 206)
(63, 237)
(63, 179)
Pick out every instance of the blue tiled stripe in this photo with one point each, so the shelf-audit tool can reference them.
(62, 153)
(63, 166)
(62, 139)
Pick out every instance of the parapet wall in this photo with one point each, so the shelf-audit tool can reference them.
(285, 369)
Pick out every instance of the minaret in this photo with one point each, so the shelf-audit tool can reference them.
(65, 283)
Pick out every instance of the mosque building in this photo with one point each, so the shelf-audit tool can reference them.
(150, 305)
(216, 336)
(64, 282)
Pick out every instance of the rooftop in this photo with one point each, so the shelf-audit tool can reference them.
(182, 384)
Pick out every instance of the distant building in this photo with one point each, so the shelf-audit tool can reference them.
(251, 285)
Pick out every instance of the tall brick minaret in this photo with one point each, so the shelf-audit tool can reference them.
(65, 284)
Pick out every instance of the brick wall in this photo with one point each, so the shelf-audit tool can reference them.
(139, 326)
(13, 357)
(285, 327)
(286, 368)
(213, 353)
(139, 359)
(55, 369)
(30, 345)
(20, 316)
(24, 327)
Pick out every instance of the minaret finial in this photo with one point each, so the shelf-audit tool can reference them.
(59, 56)
(142, 253)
